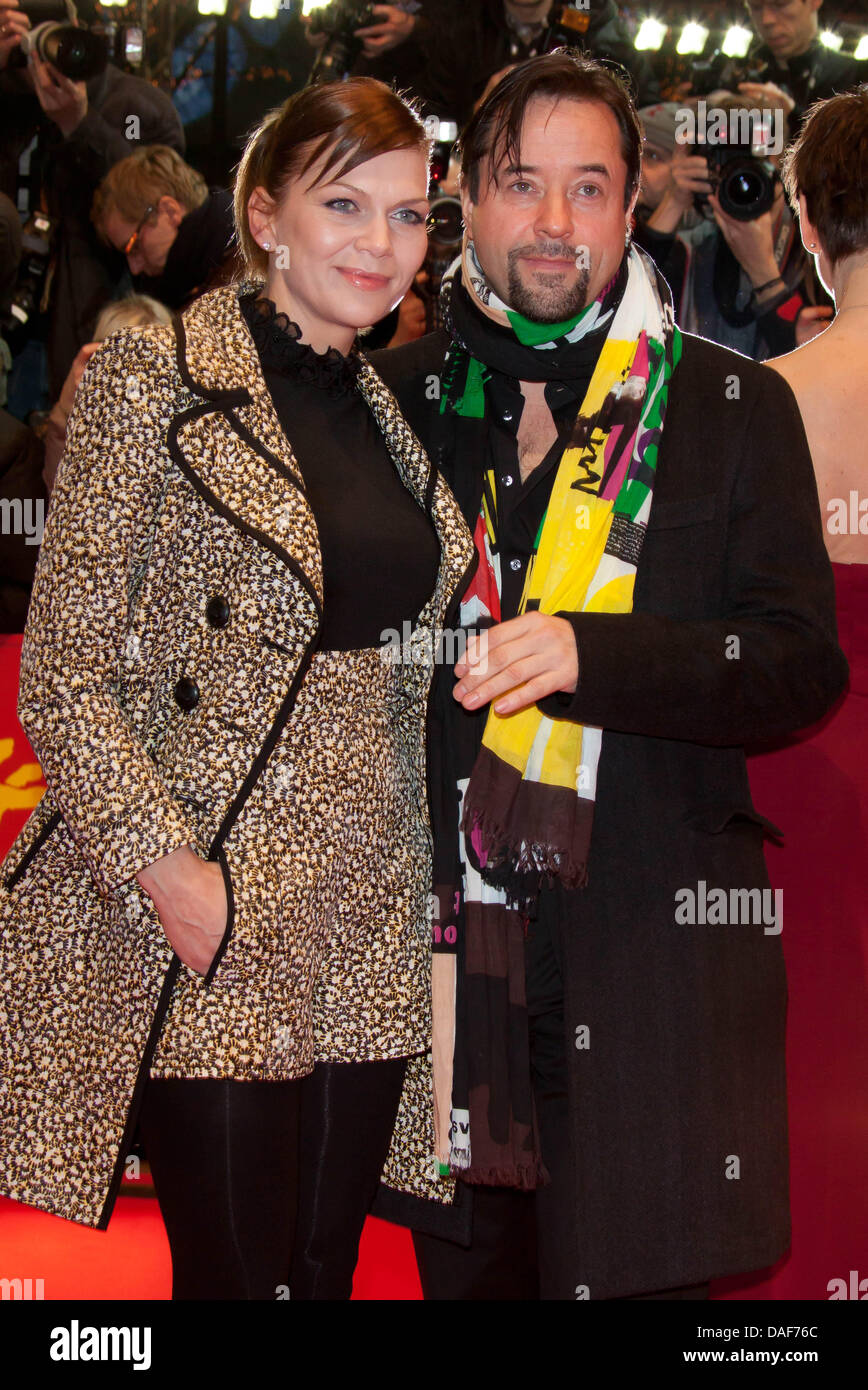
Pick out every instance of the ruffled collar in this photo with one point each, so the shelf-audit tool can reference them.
(277, 341)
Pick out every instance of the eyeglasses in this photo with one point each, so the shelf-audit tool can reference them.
(133, 241)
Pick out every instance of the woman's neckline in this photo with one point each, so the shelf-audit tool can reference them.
(281, 351)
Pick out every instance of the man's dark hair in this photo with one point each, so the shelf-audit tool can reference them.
(494, 130)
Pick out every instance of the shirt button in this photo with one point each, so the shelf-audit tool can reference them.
(515, 564)
(507, 480)
(507, 415)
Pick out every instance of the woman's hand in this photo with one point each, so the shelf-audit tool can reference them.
(528, 657)
(190, 897)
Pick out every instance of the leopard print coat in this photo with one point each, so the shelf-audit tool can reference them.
(154, 718)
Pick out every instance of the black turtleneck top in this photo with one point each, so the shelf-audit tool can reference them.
(380, 551)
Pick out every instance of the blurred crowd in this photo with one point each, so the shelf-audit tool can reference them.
(105, 222)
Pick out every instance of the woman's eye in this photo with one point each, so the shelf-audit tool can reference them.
(340, 204)
(410, 216)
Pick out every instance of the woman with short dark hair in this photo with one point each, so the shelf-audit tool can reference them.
(215, 924)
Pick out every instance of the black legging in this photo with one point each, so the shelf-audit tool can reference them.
(266, 1184)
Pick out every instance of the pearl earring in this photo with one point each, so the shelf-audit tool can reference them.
(266, 246)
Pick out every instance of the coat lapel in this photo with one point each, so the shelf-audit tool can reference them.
(230, 444)
(228, 441)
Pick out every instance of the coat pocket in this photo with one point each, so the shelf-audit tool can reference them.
(230, 916)
(713, 820)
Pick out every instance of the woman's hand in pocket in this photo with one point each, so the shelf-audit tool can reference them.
(190, 897)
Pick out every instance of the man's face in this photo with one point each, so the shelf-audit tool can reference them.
(154, 240)
(787, 26)
(550, 234)
(656, 171)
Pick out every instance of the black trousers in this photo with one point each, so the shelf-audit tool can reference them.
(524, 1242)
(265, 1185)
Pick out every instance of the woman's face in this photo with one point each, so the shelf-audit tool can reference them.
(345, 251)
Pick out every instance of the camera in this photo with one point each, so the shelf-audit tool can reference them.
(37, 243)
(339, 22)
(720, 72)
(54, 36)
(743, 181)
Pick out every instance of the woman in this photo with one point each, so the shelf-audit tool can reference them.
(215, 923)
(817, 788)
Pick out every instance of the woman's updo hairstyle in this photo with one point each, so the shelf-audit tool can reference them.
(357, 120)
(828, 163)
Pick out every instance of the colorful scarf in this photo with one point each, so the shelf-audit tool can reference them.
(527, 806)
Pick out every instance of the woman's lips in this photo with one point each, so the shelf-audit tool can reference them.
(364, 279)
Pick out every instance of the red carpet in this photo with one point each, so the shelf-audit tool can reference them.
(828, 1107)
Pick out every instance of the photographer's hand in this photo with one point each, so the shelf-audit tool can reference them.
(752, 243)
(13, 23)
(688, 176)
(62, 100)
(752, 90)
(388, 32)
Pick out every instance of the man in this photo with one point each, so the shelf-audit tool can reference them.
(176, 233)
(58, 138)
(655, 593)
(485, 36)
(795, 69)
(748, 285)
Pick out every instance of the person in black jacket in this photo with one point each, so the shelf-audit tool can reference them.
(790, 62)
(81, 129)
(481, 38)
(178, 235)
(651, 594)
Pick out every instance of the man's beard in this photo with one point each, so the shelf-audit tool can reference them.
(551, 299)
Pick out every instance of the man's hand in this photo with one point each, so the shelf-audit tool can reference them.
(688, 175)
(62, 100)
(395, 26)
(752, 243)
(753, 90)
(528, 657)
(13, 23)
(190, 897)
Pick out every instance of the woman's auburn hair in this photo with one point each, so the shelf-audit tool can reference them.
(353, 121)
(828, 164)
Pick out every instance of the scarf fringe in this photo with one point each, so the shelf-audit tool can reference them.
(527, 1177)
(518, 867)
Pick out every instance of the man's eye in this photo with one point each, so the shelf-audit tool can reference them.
(589, 188)
(520, 186)
(340, 204)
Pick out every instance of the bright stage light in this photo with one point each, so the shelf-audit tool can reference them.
(693, 38)
(211, 6)
(308, 5)
(264, 9)
(862, 47)
(830, 40)
(737, 41)
(650, 35)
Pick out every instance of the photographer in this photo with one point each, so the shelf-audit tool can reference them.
(745, 284)
(788, 64)
(176, 233)
(485, 36)
(59, 139)
(391, 47)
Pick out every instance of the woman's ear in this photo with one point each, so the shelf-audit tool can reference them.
(260, 214)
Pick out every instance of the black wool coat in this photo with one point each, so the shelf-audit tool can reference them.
(677, 1093)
